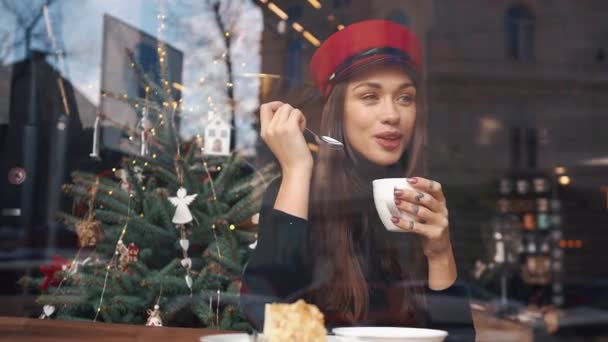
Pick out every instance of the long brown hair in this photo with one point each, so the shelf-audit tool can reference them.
(340, 196)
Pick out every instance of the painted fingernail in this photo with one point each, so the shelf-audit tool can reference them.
(398, 192)
(395, 219)
(412, 180)
(397, 201)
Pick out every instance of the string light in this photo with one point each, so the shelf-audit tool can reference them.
(312, 39)
(278, 11)
(296, 26)
(314, 3)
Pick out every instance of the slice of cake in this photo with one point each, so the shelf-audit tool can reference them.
(297, 322)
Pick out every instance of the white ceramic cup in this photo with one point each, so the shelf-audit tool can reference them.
(384, 198)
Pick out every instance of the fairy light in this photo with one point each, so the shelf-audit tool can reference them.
(314, 3)
(232, 227)
(296, 26)
(278, 11)
(113, 260)
(312, 39)
(340, 27)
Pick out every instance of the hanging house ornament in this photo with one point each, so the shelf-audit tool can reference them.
(217, 136)
(181, 202)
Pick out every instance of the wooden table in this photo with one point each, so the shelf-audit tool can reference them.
(16, 329)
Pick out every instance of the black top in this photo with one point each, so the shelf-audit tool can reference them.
(279, 270)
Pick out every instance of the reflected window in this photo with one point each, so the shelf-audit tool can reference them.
(519, 30)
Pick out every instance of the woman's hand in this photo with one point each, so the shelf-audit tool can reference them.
(427, 202)
(282, 128)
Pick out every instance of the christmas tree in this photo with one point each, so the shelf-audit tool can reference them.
(164, 238)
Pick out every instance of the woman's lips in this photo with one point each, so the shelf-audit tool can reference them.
(388, 143)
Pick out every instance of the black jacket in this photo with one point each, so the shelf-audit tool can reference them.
(279, 271)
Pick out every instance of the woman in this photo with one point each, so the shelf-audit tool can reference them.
(320, 236)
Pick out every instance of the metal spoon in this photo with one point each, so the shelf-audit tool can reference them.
(327, 141)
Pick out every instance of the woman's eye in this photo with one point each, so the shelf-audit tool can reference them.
(369, 97)
(406, 99)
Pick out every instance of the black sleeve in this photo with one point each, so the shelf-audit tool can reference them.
(450, 310)
(277, 270)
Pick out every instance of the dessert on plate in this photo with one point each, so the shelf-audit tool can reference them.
(296, 322)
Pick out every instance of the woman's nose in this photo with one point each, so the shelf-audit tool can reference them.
(389, 113)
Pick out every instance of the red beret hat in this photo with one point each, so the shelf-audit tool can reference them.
(363, 43)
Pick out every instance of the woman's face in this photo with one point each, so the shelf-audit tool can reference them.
(379, 113)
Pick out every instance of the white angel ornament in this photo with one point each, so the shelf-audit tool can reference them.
(182, 201)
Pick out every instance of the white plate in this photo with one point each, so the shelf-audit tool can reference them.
(248, 338)
(392, 334)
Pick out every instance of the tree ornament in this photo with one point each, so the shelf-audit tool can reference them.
(144, 126)
(50, 271)
(89, 232)
(182, 212)
(253, 245)
(187, 263)
(128, 255)
(47, 311)
(154, 319)
(123, 175)
(217, 136)
(184, 244)
(139, 173)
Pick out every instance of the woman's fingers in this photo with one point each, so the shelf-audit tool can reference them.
(429, 186)
(278, 125)
(430, 231)
(266, 114)
(422, 199)
(298, 119)
(423, 214)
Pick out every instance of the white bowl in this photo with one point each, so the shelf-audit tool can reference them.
(391, 334)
